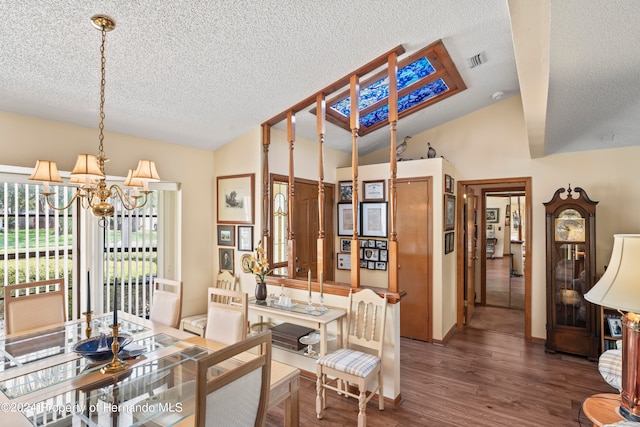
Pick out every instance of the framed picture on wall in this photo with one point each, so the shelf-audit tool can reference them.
(448, 242)
(345, 190)
(344, 262)
(449, 212)
(226, 259)
(345, 245)
(226, 235)
(345, 219)
(245, 238)
(492, 214)
(448, 184)
(373, 191)
(235, 199)
(373, 219)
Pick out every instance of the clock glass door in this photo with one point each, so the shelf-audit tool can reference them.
(569, 270)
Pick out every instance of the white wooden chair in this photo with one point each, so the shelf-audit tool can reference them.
(227, 315)
(197, 324)
(366, 318)
(232, 394)
(167, 302)
(35, 310)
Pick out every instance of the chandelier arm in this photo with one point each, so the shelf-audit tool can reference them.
(52, 206)
(128, 202)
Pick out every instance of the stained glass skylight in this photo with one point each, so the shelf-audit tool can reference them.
(424, 78)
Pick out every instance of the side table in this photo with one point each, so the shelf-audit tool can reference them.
(602, 409)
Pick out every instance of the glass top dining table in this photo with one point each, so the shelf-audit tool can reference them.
(44, 382)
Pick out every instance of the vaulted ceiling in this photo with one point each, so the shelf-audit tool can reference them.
(202, 73)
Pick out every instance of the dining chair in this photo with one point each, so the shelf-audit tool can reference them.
(167, 302)
(34, 305)
(197, 323)
(227, 320)
(366, 317)
(234, 393)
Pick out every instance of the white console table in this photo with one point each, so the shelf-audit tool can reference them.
(300, 316)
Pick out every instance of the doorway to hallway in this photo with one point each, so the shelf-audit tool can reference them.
(503, 277)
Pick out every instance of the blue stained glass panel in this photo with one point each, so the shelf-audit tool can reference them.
(379, 90)
(408, 101)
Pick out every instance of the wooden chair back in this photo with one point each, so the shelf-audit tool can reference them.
(34, 305)
(231, 394)
(167, 302)
(227, 320)
(226, 281)
(366, 317)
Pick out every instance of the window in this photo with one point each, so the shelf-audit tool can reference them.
(280, 224)
(424, 78)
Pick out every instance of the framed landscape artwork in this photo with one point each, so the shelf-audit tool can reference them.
(236, 199)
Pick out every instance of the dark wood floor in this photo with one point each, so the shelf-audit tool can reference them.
(480, 378)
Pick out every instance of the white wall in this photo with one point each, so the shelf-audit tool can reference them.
(492, 143)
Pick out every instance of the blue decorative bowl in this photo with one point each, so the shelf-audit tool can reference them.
(89, 348)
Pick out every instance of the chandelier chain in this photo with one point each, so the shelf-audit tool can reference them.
(101, 154)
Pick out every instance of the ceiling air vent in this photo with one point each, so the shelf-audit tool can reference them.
(476, 60)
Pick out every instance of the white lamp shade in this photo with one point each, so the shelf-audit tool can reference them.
(146, 171)
(87, 166)
(131, 181)
(619, 286)
(46, 171)
(82, 180)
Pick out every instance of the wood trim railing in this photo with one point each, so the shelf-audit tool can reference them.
(390, 59)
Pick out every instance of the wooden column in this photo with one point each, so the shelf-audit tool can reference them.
(266, 198)
(393, 120)
(320, 128)
(354, 122)
(291, 242)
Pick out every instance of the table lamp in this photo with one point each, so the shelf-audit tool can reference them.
(619, 288)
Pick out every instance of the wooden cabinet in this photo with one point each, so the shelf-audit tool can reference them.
(572, 322)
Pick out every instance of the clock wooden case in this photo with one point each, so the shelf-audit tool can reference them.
(572, 322)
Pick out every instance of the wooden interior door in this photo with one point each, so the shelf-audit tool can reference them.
(306, 229)
(470, 248)
(413, 225)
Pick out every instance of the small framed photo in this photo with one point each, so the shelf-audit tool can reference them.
(345, 219)
(615, 327)
(361, 253)
(373, 219)
(449, 212)
(448, 242)
(384, 255)
(371, 265)
(381, 265)
(381, 244)
(363, 263)
(226, 259)
(492, 214)
(245, 238)
(364, 243)
(344, 262)
(373, 191)
(345, 190)
(371, 254)
(226, 235)
(345, 245)
(448, 184)
(371, 243)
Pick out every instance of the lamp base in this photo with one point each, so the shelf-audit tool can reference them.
(628, 415)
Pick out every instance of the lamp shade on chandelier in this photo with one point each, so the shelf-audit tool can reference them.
(88, 172)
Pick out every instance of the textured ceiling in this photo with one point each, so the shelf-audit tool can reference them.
(202, 73)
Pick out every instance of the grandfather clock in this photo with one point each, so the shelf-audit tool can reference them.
(572, 323)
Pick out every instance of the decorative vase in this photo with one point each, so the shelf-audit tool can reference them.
(261, 291)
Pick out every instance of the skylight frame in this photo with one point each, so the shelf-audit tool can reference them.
(445, 70)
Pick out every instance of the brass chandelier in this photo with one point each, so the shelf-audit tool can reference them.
(88, 172)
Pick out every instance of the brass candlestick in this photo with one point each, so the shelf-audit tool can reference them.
(116, 365)
(87, 315)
